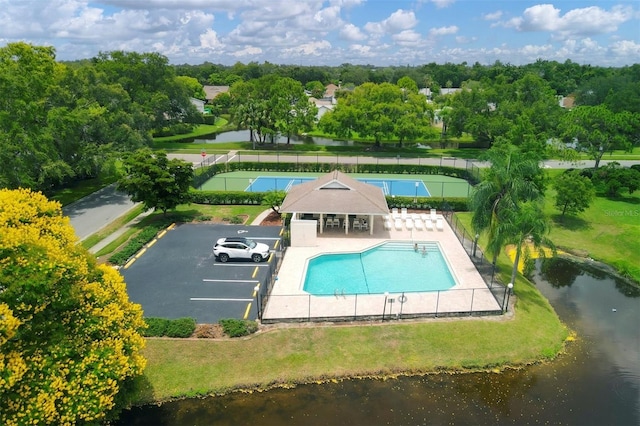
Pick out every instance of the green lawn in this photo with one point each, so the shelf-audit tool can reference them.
(306, 354)
(608, 231)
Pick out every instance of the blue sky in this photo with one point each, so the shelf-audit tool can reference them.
(332, 32)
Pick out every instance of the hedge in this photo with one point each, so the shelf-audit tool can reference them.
(255, 198)
(137, 242)
(159, 327)
(319, 167)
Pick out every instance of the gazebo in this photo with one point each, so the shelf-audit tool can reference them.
(334, 200)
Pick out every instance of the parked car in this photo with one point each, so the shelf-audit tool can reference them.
(240, 248)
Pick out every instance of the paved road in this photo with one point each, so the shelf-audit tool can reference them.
(93, 212)
(198, 160)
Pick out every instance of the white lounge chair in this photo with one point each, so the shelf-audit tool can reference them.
(409, 223)
(434, 215)
(398, 224)
(428, 225)
(394, 213)
(387, 224)
(439, 225)
(403, 213)
(418, 223)
(425, 217)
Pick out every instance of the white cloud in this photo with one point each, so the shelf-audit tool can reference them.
(443, 31)
(209, 40)
(247, 51)
(626, 48)
(440, 4)
(494, 16)
(352, 33)
(406, 38)
(398, 21)
(314, 48)
(577, 22)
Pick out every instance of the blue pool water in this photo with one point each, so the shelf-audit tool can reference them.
(397, 187)
(393, 267)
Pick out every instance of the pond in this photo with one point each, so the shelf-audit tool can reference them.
(243, 136)
(597, 382)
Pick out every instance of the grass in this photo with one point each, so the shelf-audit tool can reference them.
(307, 354)
(608, 231)
(80, 189)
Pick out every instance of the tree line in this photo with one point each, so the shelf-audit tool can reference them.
(592, 84)
(64, 122)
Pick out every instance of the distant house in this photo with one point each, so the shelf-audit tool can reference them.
(199, 104)
(426, 92)
(449, 90)
(324, 105)
(567, 102)
(330, 90)
(212, 91)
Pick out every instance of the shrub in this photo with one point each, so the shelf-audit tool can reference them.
(237, 328)
(156, 327)
(181, 327)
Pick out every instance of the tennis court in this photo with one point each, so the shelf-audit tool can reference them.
(396, 185)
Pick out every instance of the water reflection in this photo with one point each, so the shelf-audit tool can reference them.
(243, 136)
(596, 383)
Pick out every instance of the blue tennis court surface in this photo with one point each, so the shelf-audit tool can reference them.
(397, 187)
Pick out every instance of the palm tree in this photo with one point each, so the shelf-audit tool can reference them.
(514, 177)
(526, 227)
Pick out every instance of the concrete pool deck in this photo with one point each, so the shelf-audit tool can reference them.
(288, 301)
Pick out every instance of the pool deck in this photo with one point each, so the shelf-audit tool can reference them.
(288, 301)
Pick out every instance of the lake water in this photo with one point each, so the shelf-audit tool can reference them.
(243, 136)
(597, 382)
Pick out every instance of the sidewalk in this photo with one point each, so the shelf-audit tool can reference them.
(102, 244)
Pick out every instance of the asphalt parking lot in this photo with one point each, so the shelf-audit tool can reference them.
(178, 275)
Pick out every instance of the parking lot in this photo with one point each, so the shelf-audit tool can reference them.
(178, 276)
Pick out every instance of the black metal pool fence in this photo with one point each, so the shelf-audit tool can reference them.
(345, 307)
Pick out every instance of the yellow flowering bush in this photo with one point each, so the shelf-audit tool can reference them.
(69, 336)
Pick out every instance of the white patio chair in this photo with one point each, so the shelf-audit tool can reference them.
(398, 224)
(418, 223)
(428, 224)
(409, 223)
(434, 215)
(439, 225)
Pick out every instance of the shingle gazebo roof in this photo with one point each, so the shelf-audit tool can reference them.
(335, 193)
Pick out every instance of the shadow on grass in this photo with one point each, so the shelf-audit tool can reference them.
(572, 223)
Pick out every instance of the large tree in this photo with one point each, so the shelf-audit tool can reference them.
(157, 182)
(69, 336)
(574, 192)
(597, 130)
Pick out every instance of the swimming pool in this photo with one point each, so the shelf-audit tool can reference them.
(393, 267)
(397, 187)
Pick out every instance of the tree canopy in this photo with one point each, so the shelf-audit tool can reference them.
(380, 111)
(60, 123)
(69, 336)
(157, 182)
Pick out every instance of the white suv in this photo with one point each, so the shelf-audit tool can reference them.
(240, 248)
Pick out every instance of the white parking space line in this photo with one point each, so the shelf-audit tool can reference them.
(241, 265)
(230, 281)
(216, 299)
